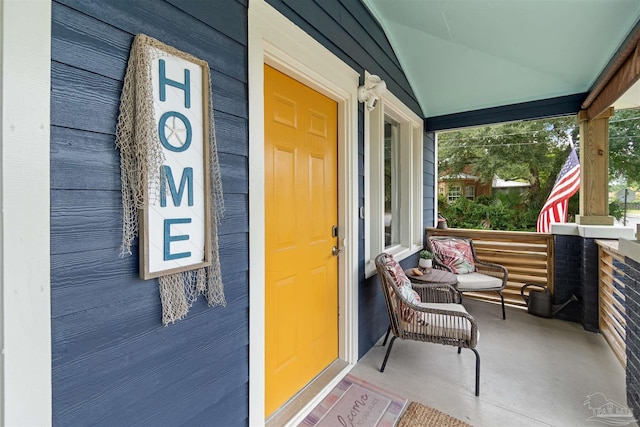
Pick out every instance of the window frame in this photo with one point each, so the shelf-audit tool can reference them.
(458, 191)
(473, 192)
(411, 181)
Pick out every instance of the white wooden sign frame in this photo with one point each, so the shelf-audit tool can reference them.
(175, 228)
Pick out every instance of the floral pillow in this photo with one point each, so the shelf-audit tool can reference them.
(455, 253)
(404, 285)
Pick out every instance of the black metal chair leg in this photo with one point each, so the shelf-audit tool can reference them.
(386, 336)
(387, 355)
(504, 316)
(477, 371)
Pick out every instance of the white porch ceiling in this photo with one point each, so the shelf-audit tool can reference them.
(466, 55)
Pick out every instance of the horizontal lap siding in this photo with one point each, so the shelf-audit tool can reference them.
(113, 362)
(429, 202)
(347, 29)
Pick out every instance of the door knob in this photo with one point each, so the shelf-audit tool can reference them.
(335, 251)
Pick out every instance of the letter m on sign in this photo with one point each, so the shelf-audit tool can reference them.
(176, 194)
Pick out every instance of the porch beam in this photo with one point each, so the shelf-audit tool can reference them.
(594, 167)
(621, 74)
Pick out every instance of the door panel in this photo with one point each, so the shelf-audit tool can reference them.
(301, 321)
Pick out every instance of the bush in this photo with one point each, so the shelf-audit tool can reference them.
(494, 213)
(503, 211)
(616, 209)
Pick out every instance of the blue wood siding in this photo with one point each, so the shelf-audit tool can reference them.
(429, 200)
(348, 30)
(113, 362)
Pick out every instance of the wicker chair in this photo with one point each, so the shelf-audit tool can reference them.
(486, 277)
(439, 318)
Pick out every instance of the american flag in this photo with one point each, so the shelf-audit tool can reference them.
(567, 183)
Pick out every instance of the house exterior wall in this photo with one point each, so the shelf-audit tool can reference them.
(348, 31)
(112, 360)
(479, 188)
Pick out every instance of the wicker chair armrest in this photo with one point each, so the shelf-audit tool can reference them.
(489, 265)
(436, 292)
(491, 269)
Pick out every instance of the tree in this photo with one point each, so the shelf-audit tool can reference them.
(624, 147)
(531, 150)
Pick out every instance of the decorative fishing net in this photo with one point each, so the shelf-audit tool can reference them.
(141, 158)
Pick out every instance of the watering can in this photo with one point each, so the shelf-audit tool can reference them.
(539, 301)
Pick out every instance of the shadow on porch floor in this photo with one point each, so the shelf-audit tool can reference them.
(534, 371)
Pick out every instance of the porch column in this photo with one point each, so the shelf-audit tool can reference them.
(594, 167)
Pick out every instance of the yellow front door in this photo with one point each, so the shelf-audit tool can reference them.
(301, 321)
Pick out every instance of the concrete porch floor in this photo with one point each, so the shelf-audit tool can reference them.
(534, 371)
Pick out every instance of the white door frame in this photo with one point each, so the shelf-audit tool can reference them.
(276, 41)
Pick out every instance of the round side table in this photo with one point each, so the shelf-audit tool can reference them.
(434, 277)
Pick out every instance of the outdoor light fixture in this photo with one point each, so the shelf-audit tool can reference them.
(371, 90)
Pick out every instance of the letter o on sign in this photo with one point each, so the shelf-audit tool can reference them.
(175, 131)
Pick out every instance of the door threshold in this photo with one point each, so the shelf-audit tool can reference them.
(307, 395)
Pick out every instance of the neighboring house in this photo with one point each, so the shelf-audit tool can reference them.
(462, 185)
(454, 186)
(503, 186)
(83, 341)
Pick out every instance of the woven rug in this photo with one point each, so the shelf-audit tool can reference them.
(355, 402)
(419, 415)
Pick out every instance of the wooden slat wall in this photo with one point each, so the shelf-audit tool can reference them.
(611, 294)
(113, 362)
(527, 256)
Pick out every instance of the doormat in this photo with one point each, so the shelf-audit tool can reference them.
(355, 402)
(419, 415)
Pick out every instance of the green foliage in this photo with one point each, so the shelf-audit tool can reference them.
(616, 209)
(502, 212)
(533, 151)
(624, 147)
(425, 254)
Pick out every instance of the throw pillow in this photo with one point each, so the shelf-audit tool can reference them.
(404, 285)
(455, 254)
(401, 280)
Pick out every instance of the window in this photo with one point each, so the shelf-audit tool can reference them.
(393, 181)
(454, 192)
(470, 192)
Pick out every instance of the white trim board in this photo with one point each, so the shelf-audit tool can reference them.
(276, 41)
(25, 320)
